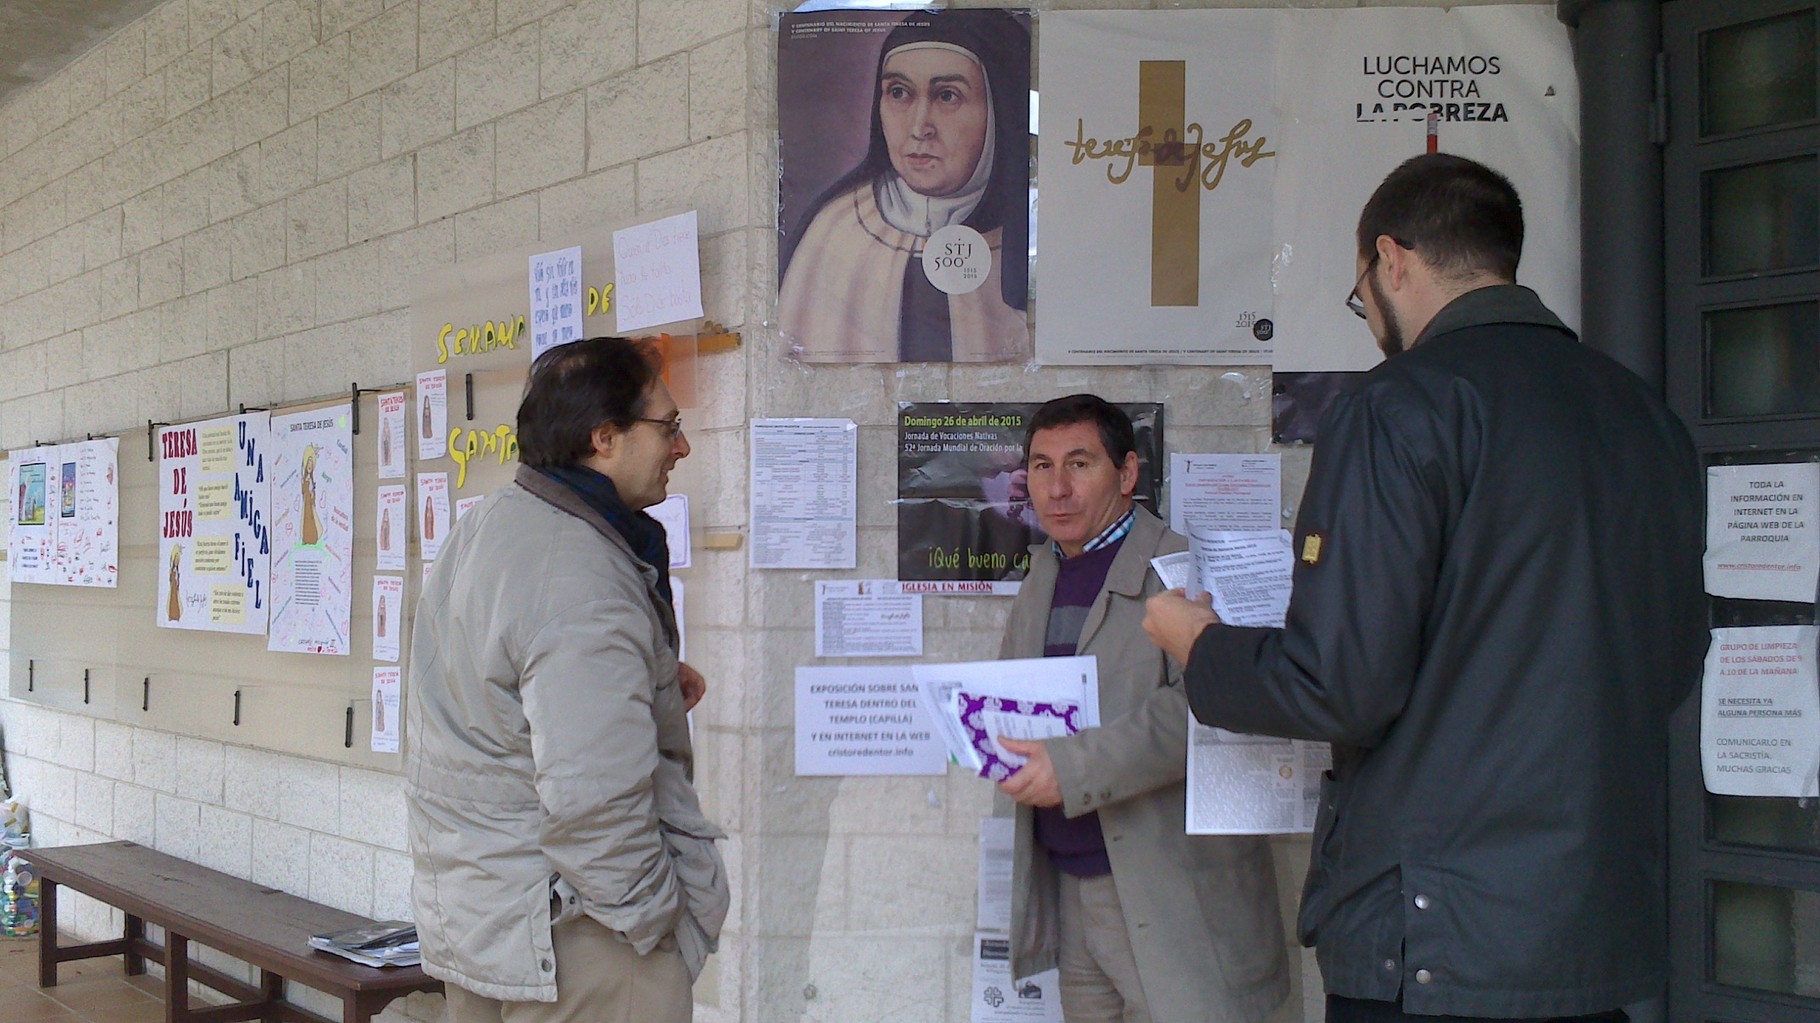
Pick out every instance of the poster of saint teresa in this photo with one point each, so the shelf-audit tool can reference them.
(904, 194)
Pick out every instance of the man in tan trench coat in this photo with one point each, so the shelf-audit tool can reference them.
(1146, 923)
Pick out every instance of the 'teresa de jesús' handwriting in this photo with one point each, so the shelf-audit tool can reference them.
(1192, 153)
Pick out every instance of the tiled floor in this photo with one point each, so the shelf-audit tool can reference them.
(87, 991)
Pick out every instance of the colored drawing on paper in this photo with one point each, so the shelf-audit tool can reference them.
(311, 474)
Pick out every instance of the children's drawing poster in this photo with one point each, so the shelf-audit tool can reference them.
(432, 417)
(66, 514)
(392, 407)
(388, 607)
(389, 526)
(311, 472)
(433, 519)
(214, 522)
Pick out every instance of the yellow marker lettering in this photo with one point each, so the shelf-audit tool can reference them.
(442, 345)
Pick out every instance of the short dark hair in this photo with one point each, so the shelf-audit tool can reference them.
(577, 388)
(1114, 425)
(1460, 215)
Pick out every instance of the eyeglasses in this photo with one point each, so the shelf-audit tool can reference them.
(671, 426)
(1353, 301)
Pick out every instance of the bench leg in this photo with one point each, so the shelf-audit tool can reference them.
(47, 932)
(135, 933)
(176, 977)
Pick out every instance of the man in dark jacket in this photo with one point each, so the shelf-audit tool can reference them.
(1497, 603)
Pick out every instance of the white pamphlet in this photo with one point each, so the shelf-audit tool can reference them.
(805, 493)
(1248, 574)
(1759, 712)
(1245, 784)
(972, 703)
(867, 618)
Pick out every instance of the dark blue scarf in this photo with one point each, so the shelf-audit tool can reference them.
(644, 533)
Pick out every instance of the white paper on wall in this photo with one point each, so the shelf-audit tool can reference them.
(1762, 538)
(1760, 712)
(430, 423)
(392, 442)
(804, 493)
(388, 616)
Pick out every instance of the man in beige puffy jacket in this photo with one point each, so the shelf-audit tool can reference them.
(563, 870)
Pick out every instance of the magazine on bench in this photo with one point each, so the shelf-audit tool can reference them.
(385, 943)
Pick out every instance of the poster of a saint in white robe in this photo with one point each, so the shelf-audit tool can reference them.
(904, 198)
(311, 474)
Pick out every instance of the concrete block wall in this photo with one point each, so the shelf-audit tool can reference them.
(224, 204)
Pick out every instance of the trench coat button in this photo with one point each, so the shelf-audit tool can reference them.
(544, 964)
(1422, 902)
(1390, 965)
(1423, 976)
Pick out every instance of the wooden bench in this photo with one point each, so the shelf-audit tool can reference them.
(261, 925)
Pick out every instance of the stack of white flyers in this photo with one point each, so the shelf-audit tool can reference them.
(975, 703)
(1245, 784)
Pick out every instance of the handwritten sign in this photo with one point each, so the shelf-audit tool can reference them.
(555, 299)
(657, 272)
(214, 518)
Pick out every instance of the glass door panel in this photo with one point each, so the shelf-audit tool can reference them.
(1766, 938)
(1762, 216)
(1757, 74)
(1763, 361)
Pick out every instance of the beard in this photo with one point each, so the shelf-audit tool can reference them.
(1392, 341)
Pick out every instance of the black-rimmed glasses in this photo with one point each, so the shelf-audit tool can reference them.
(671, 426)
(1353, 301)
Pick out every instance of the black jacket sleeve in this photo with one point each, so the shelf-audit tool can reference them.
(1367, 543)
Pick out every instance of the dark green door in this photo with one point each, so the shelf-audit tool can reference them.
(1742, 208)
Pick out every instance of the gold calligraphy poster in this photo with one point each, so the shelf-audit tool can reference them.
(1157, 150)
